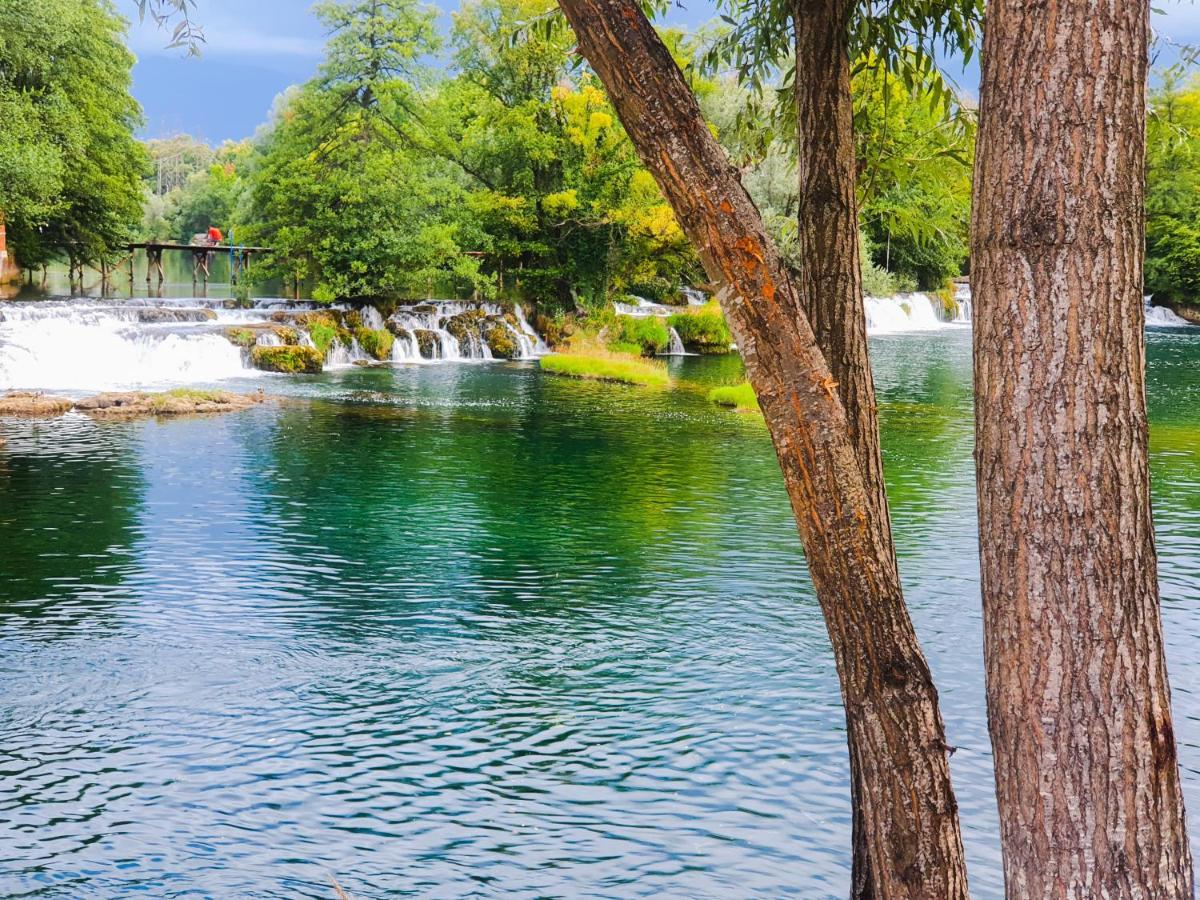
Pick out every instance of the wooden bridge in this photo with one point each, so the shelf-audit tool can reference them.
(239, 258)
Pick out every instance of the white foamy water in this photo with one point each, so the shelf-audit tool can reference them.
(96, 345)
(85, 347)
(1161, 317)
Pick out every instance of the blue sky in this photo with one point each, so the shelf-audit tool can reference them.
(256, 49)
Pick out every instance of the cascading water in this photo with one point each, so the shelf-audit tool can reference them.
(454, 330)
(676, 346)
(904, 312)
(962, 299)
(95, 345)
(1161, 317)
(87, 346)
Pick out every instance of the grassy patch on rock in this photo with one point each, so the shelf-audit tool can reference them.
(735, 396)
(620, 368)
(288, 360)
(33, 404)
(179, 402)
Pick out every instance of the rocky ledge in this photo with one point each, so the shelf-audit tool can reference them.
(129, 404)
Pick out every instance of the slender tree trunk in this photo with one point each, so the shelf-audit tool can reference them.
(830, 280)
(1079, 707)
(909, 815)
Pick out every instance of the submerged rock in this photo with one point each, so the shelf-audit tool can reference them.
(33, 404)
(181, 402)
(288, 360)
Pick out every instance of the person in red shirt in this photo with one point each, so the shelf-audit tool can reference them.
(214, 235)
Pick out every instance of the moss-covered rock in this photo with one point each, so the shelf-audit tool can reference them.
(376, 343)
(428, 342)
(398, 330)
(288, 335)
(501, 342)
(289, 360)
(155, 315)
(465, 325)
(241, 337)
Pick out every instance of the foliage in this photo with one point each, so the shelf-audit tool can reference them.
(1173, 192)
(645, 336)
(703, 329)
(569, 213)
(70, 170)
(615, 367)
(738, 396)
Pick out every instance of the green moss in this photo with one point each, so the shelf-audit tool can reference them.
(703, 329)
(375, 342)
(737, 396)
(650, 334)
(241, 337)
(289, 360)
(289, 336)
(620, 369)
(502, 343)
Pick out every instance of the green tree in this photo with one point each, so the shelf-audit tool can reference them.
(1173, 192)
(73, 168)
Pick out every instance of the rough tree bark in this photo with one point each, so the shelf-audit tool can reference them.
(829, 283)
(909, 815)
(1078, 702)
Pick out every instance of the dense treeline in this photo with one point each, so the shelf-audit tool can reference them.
(504, 171)
(487, 162)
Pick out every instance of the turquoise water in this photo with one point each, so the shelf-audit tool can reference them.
(469, 630)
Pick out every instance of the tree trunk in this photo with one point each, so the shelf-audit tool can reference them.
(1079, 707)
(830, 280)
(909, 815)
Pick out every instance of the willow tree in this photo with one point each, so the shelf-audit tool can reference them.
(1087, 774)
(908, 821)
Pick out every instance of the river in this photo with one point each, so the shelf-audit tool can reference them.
(466, 629)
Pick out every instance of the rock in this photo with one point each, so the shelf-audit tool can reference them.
(398, 330)
(289, 360)
(154, 315)
(33, 404)
(241, 337)
(428, 342)
(501, 342)
(181, 402)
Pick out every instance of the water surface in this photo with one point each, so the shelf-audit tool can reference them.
(468, 630)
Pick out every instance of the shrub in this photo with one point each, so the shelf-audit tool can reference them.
(703, 329)
(620, 368)
(648, 334)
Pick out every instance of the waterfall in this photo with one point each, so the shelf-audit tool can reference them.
(446, 330)
(904, 312)
(89, 346)
(962, 299)
(1161, 317)
(676, 347)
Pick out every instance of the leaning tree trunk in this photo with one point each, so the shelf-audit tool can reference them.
(1079, 707)
(829, 282)
(909, 815)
